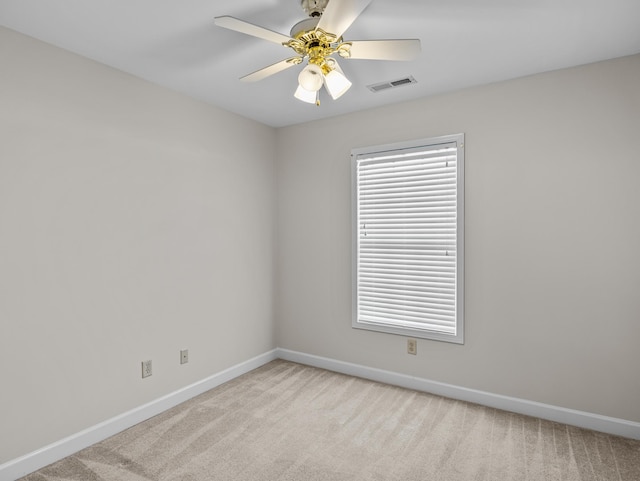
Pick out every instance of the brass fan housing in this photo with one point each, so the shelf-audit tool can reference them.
(309, 41)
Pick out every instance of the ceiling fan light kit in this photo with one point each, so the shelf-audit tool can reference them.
(317, 39)
(312, 78)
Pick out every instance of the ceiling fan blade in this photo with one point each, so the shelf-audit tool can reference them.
(241, 26)
(340, 14)
(406, 49)
(272, 69)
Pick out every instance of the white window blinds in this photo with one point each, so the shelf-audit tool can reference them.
(408, 231)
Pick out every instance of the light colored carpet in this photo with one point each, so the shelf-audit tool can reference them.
(285, 421)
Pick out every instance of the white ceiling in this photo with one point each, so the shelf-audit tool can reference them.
(464, 43)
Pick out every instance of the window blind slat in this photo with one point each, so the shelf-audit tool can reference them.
(425, 286)
(381, 317)
(415, 316)
(408, 324)
(417, 281)
(411, 302)
(436, 198)
(370, 182)
(384, 258)
(405, 293)
(437, 207)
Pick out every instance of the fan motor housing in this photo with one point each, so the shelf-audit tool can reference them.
(304, 26)
(307, 40)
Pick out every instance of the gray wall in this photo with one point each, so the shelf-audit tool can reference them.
(134, 222)
(552, 238)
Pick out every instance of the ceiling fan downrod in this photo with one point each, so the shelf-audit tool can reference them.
(314, 8)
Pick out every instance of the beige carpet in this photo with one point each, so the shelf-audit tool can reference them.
(285, 421)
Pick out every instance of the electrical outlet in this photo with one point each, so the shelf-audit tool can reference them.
(184, 356)
(146, 368)
(412, 346)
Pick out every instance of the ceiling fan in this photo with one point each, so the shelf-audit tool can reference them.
(317, 39)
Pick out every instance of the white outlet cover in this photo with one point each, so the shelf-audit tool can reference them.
(146, 368)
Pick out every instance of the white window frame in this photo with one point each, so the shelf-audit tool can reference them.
(452, 333)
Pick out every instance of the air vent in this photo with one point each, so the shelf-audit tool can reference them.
(393, 83)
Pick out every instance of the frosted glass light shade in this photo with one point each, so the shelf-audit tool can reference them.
(336, 83)
(311, 78)
(305, 95)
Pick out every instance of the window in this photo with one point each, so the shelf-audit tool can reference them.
(408, 238)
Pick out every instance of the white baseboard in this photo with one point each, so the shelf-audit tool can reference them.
(31, 462)
(596, 422)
